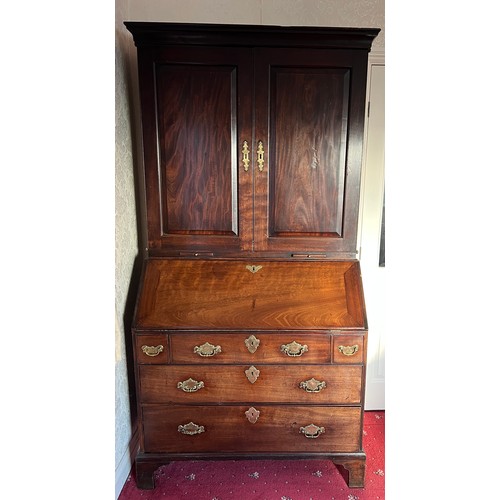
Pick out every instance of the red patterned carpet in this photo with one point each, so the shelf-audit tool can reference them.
(270, 479)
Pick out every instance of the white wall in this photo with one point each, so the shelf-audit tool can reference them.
(126, 245)
(353, 13)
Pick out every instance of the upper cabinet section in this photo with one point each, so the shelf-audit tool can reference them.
(252, 138)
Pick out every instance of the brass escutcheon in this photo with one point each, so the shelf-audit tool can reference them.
(252, 415)
(252, 374)
(312, 431)
(254, 269)
(252, 343)
(260, 155)
(312, 385)
(294, 349)
(207, 350)
(150, 350)
(348, 350)
(191, 429)
(245, 156)
(190, 385)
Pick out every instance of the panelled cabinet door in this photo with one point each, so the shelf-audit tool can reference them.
(309, 104)
(198, 189)
(252, 150)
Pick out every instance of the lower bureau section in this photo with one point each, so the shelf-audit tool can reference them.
(241, 429)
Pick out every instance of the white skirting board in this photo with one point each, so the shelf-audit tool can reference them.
(123, 469)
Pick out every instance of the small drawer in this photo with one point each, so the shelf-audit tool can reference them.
(311, 384)
(151, 349)
(349, 349)
(251, 428)
(291, 347)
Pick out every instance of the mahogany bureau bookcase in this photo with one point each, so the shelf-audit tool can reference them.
(250, 331)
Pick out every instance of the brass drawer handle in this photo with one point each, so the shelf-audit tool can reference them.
(312, 431)
(150, 350)
(191, 429)
(207, 350)
(349, 350)
(252, 415)
(252, 343)
(294, 349)
(245, 156)
(312, 385)
(190, 385)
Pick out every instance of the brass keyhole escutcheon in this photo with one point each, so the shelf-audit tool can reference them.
(252, 415)
(245, 158)
(254, 269)
(252, 343)
(260, 156)
(252, 374)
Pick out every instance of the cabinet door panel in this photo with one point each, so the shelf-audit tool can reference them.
(309, 136)
(196, 105)
(311, 179)
(196, 192)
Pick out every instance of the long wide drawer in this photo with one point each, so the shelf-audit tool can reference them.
(226, 429)
(247, 348)
(316, 384)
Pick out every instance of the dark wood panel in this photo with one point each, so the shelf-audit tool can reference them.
(309, 136)
(227, 429)
(196, 107)
(229, 384)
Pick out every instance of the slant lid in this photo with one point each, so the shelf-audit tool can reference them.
(228, 295)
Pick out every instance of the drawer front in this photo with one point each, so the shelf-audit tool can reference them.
(313, 384)
(151, 349)
(349, 349)
(236, 429)
(251, 348)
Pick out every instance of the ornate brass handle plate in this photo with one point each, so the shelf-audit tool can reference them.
(312, 385)
(312, 431)
(252, 343)
(294, 349)
(191, 429)
(190, 385)
(245, 156)
(348, 350)
(252, 415)
(207, 350)
(150, 350)
(260, 156)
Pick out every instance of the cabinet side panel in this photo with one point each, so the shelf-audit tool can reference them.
(195, 111)
(309, 132)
